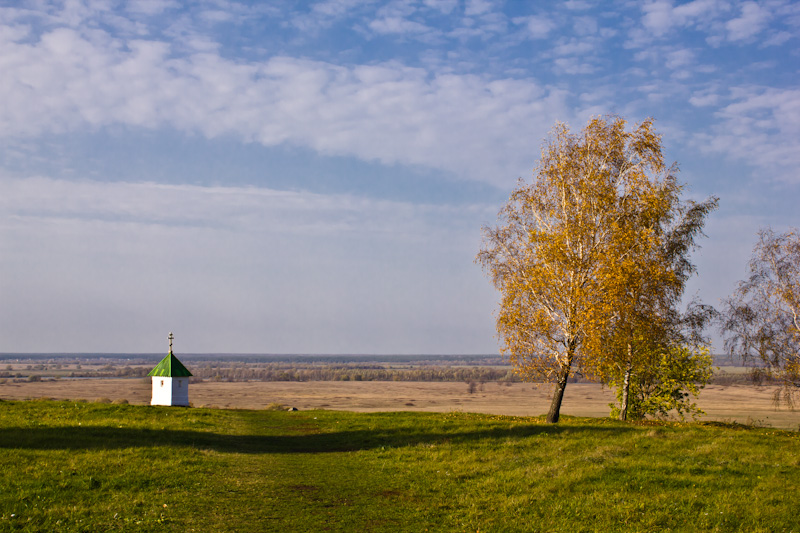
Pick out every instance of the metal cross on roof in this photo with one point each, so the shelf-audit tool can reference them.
(170, 341)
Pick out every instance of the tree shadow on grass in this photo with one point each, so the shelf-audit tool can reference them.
(106, 438)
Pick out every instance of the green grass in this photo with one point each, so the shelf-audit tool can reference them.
(67, 466)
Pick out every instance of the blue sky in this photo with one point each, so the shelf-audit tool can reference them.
(312, 177)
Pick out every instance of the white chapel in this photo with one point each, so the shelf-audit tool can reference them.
(170, 381)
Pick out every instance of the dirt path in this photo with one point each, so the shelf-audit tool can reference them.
(730, 403)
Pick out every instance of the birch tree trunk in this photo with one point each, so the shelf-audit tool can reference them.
(626, 384)
(558, 396)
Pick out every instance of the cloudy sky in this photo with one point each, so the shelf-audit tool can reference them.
(312, 177)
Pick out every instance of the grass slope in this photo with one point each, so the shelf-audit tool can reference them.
(67, 466)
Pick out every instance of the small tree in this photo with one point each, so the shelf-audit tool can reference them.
(761, 320)
(645, 287)
(667, 383)
(581, 252)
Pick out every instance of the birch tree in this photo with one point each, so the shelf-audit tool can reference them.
(646, 330)
(579, 250)
(762, 319)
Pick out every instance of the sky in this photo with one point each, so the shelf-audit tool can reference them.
(313, 177)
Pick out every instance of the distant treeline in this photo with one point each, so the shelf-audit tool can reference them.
(320, 368)
(299, 359)
(284, 371)
(312, 372)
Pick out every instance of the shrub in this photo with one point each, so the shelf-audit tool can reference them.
(667, 386)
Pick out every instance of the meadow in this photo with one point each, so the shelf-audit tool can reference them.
(746, 404)
(80, 466)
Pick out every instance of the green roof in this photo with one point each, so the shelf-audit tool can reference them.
(170, 367)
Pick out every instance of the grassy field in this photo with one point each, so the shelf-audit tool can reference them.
(73, 466)
(736, 403)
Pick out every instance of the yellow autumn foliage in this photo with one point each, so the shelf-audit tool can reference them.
(582, 253)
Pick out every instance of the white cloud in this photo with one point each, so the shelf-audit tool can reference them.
(538, 27)
(334, 8)
(760, 126)
(324, 14)
(572, 65)
(389, 113)
(752, 21)
(577, 5)
(150, 7)
(478, 7)
(445, 6)
(695, 9)
(585, 25)
(679, 58)
(704, 99)
(216, 15)
(778, 39)
(235, 209)
(398, 25)
(721, 21)
(574, 47)
(15, 32)
(660, 16)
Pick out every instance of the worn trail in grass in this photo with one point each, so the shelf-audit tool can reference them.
(87, 467)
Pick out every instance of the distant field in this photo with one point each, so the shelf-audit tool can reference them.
(468, 383)
(73, 466)
(739, 403)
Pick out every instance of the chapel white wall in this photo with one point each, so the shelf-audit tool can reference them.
(170, 391)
